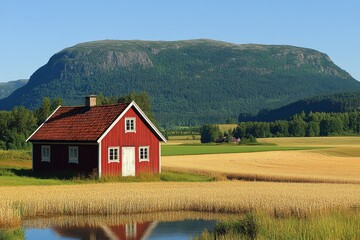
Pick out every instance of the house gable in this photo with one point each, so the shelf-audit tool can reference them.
(142, 115)
(142, 137)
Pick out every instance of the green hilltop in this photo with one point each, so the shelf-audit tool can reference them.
(190, 82)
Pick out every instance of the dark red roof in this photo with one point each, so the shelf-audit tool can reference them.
(78, 123)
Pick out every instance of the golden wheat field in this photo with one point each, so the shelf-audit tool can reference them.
(124, 198)
(338, 163)
(292, 183)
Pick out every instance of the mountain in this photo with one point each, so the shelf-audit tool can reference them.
(6, 88)
(340, 102)
(190, 82)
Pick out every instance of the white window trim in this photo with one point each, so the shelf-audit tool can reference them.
(130, 230)
(148, 154)
(118, 154)
(133, 119)
(77, 156)
(45, 158)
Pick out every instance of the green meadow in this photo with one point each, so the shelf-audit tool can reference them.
(15, 170)
(197, 149)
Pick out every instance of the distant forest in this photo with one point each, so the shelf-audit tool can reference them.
(340, 102)
(303, 125)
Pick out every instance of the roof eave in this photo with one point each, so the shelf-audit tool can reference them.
(132, 104)
(149, 122)
(63, 141)
(28, 139)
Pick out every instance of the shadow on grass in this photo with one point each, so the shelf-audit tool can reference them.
(64, 175)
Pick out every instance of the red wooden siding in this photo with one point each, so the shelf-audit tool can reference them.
(59, 158)
(139, 233)
(118, 138)
(106, 232)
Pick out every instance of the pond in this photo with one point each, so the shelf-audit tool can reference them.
(158, 226)
(340, 224)
(185, 229)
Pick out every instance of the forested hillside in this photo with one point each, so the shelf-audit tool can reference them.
(341, 102)
(189, 82)
(6, 88)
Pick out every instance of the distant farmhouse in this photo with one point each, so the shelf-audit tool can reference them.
(116, 140)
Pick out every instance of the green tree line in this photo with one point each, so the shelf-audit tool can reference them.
(19, 123)
(300, 125)
(340, 102)
(303, 125)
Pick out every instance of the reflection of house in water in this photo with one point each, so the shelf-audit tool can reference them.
(125, 231)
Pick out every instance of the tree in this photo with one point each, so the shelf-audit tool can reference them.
(44, 111)
(280, 128)
(240, 130)
(297, 127)
(56, 102)
(15, 127)
(331, 126)
(209, 133)
(313, 129)
(261, 130)
(143, 100)
(47, 107)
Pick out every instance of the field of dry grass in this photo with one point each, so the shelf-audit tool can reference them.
(184, 139)
(340, 163)
(226, 127)
(280, 199)
(295, 183)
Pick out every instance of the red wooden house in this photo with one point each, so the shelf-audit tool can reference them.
(131, 231)
(112, 140)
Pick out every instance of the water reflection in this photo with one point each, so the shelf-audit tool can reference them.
(158, 226)
(133, 231)
(124, 231)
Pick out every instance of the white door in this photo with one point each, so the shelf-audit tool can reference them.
(128, 161)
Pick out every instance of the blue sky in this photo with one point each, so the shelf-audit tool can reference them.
(32, 31)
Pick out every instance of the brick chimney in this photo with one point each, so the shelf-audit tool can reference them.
(90, 101)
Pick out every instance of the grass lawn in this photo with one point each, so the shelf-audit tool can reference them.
(15, 170)
(197, 149)
(8, 179)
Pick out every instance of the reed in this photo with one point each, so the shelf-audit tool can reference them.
(278, 199)
(336, 225)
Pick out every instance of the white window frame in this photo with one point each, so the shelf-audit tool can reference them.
(72, 157)
(146, 155)
(130, 230)
(45, 158)
(118, 154)
(134, 124)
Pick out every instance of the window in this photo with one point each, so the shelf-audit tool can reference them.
(143, 154)
(45, 153)
(130, 125)
(113, 154)
(130, 230)
(73, 154)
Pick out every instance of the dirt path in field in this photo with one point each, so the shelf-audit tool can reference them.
(340, 164)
